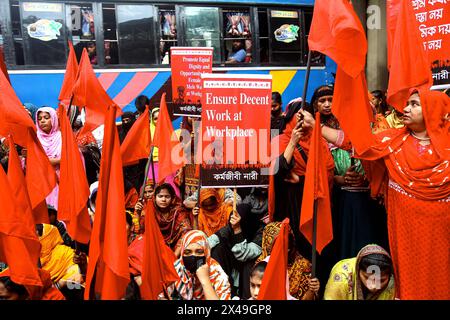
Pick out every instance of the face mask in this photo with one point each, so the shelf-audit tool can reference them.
(192, 263)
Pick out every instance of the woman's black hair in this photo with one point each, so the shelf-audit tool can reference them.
(13, 287)
(140, 103)
(376, 259)
(165, 186)
(276, 97)
(291, 109)
(129, 218)
(259, 267)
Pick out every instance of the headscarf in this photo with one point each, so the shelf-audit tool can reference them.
(212, 221)
(56, 257)
(425, 177)
(250, 223)
(188, 286)
(52, 141)
(125, 127)
(32, 109)
(136, 255)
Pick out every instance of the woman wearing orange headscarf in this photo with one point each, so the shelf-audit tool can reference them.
(413, 171)
(213, 213)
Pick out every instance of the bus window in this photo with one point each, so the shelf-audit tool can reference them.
(202, 29)
(238, 36)
(110, 34)
(168, 28)
(286, 33)
(81, 24)
(44, 34)
(17, 32)
(263, 36)
(135, 25)
(317, 58)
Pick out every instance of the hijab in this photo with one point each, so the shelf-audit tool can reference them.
(52, 141)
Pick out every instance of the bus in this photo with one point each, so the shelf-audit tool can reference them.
(129, 41)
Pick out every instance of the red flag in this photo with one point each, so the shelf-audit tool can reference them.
(14, 119)
(3, 65)
(316, 188)
(166, 141)
(392, 11)
(17, 182)
(336, 31)
(352, 108)
(19, 245)
(73, 185)
(138, 141)
(70, 77)
(409, 66)
(89, 93)
(273, 286)
(41, 176)
(108, 249)
(158, 269)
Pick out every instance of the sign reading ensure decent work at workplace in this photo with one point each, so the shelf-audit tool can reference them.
(188, 64)
(235, 130)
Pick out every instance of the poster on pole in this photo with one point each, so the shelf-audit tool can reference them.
(235, 130)
(187, 65)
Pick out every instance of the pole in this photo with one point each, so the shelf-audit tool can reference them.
(199, 185)
(314, 240)
(153, 167)
(147, 167)
(305, 85)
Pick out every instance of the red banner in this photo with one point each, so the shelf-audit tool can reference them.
(433, 19)
(236, 130)
(188, 64)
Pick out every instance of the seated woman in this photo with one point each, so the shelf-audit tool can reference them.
(58, 259)
(213, 213)
(301, 286)
(368, 276)
(173, 219)
(201, 277)
(10, 290)
(236, 247)
(139, 208)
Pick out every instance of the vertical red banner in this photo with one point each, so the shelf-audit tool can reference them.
(188, 64)
(433, 21)
(235, 129)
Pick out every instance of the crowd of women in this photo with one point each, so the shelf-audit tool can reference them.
(390, 210)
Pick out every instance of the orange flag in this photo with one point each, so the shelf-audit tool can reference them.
(138, 141)
(316, 188)
(17, 181)
(40, 176)
(352, 108)
(19, 245)
(158, 269)
(70, 77)
(89, 93)
(3, 65)
(337, 32)
(274, 285)
(409, 66)
(73, 185)
(108, 274)
(166, 141)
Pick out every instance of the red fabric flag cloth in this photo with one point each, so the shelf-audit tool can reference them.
(108, 274)
(14, 119)
(352, 108)
(19, 245)
(166, 141)
(3, 65)
(273, 286)
(337, 32)
(409, 65)
(73, 185)
(158, 269)
(89, 93)
(138, 141)
(70, 77)
(17, 182)
(316, 188)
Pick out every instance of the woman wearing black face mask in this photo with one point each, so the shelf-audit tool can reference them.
(201, 277)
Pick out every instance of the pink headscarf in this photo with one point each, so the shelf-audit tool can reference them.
(52, 141)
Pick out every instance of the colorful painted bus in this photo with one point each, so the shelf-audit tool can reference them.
(129, 43)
